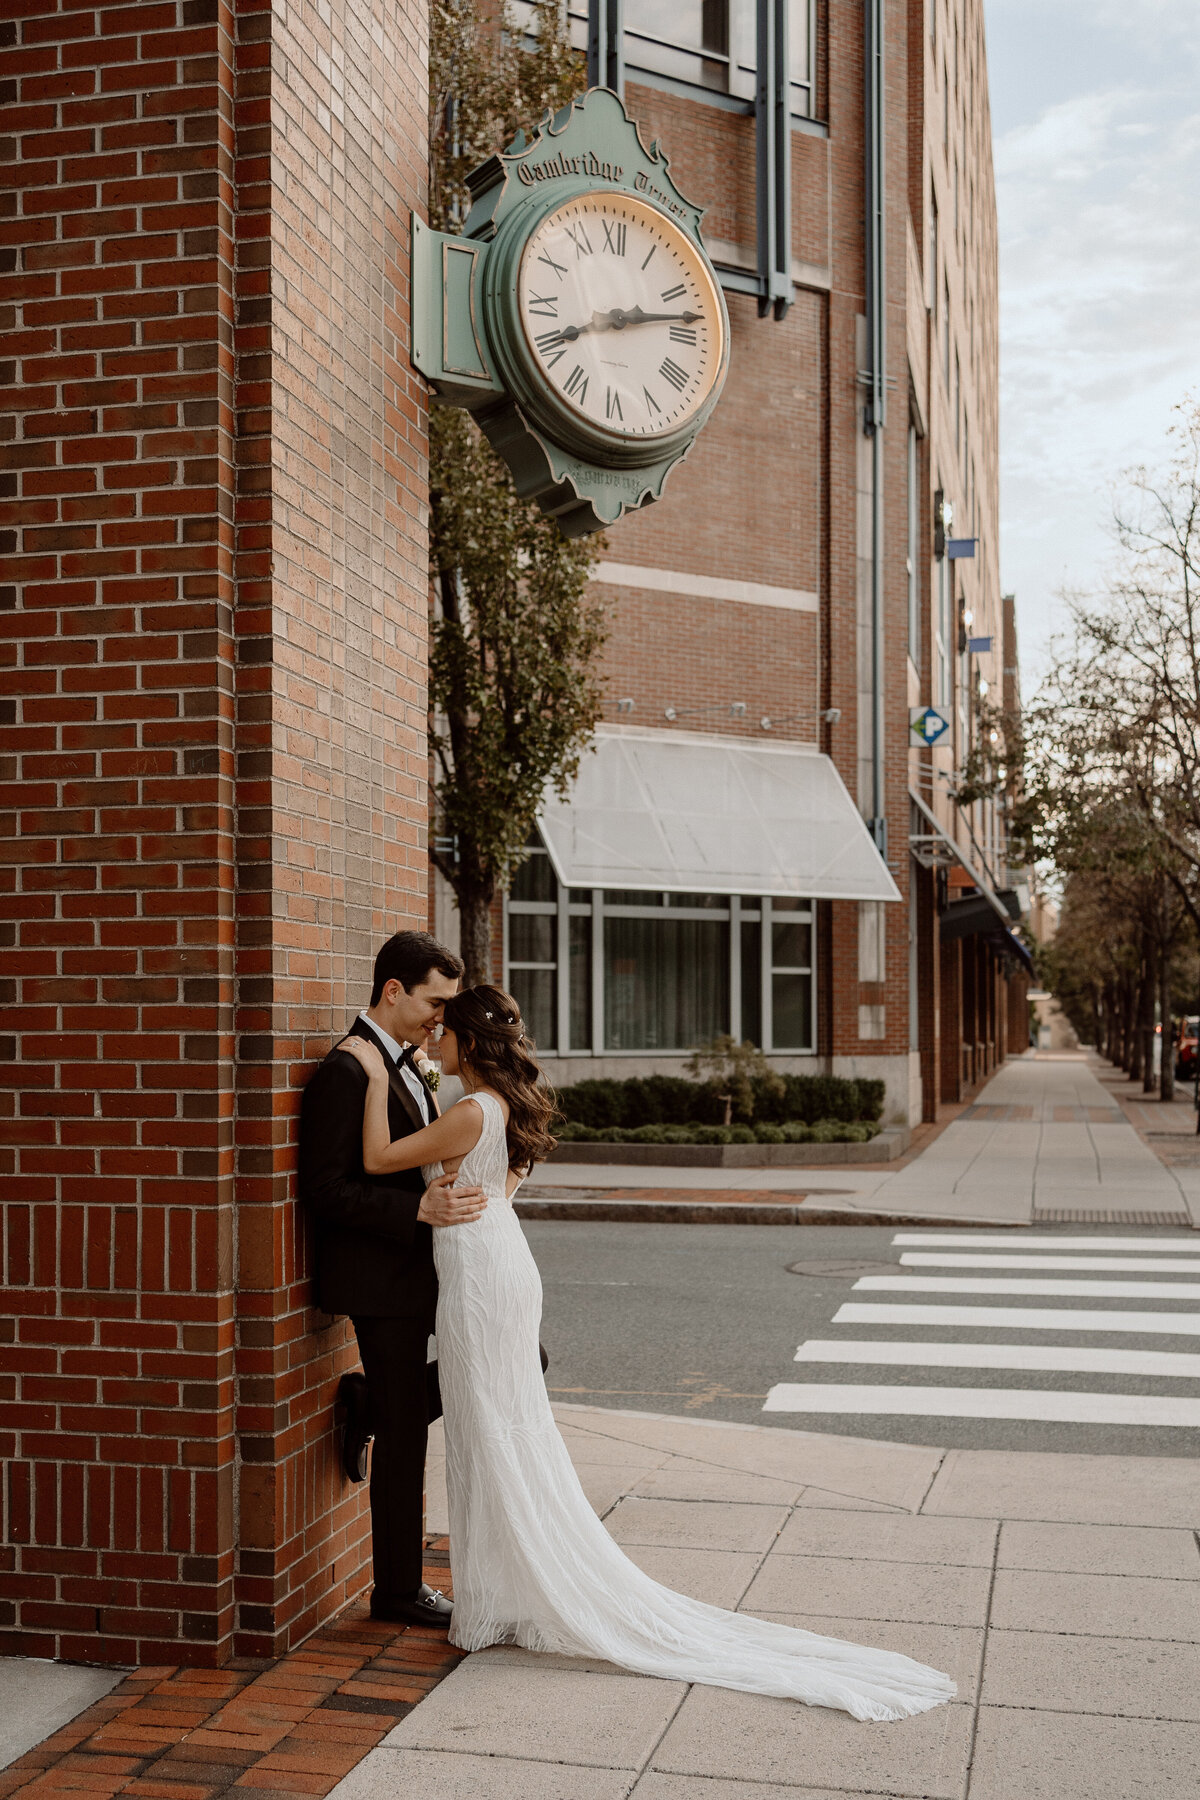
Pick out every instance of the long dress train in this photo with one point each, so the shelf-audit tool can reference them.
(532, 1564)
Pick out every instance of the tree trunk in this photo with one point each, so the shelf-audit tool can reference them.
(1166, 1080)
(475, 911)
(1149, 990)
(1133, 1058)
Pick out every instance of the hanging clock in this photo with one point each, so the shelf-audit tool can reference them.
(577, 316)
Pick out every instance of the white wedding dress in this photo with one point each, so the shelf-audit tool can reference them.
(532, 1564)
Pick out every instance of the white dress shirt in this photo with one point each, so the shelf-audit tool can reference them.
(408, 1074)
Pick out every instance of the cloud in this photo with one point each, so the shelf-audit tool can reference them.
(1097, 159)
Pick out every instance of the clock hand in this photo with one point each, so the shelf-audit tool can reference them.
(619, 317)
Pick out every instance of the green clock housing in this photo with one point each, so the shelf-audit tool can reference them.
(577, 316)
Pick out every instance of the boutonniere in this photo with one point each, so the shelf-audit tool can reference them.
(429, 1072)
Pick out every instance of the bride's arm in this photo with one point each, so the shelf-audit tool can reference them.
(450, 1136)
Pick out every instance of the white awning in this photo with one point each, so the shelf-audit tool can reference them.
(695, 814)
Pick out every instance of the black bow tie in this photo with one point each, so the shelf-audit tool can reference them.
(408, 1059)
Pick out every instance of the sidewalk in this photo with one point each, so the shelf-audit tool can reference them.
(1045, 1140)
(1071, 1624)
(1062, 1592)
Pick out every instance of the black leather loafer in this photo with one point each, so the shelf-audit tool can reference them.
(356, 1432)
(427, 1607)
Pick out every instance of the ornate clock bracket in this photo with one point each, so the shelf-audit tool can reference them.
(459, 339)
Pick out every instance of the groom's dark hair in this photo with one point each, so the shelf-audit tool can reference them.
(409, 957)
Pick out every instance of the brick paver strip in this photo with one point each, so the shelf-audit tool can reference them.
(288, 1728)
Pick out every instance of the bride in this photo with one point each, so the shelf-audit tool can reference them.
(531, 1562)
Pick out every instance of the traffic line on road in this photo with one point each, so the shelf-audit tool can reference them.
(1022, 1318)
(983, 1403)
(1067, 1359)
(1100, 1290)
(1149, 1265)
(1019, 1240)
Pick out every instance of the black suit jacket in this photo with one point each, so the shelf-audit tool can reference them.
(372, 1256)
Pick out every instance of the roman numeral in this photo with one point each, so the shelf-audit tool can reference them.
(682, 334)
(612, 405)
(653, 251)
(560, 269)
(672, 372)
(579, 238)
(546, 306)
(674, 293)
(552, 341)
(576, 385)
(651, 403)
(614, 238)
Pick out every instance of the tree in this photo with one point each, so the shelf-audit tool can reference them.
(515, 688)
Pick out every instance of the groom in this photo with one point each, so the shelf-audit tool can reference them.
(373, 1259)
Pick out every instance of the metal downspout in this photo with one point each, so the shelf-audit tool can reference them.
(875, 411)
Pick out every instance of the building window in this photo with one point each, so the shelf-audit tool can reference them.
(912, 559)
(707, 46)
(943, 667)
(621, 972)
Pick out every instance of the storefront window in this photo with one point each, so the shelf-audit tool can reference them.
(621, 971)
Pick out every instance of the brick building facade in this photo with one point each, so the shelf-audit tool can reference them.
(743, 606)
(215, 767)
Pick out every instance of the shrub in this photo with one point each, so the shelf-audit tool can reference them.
(769, 1134)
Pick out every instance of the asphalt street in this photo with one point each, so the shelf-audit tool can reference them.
(706, 1320)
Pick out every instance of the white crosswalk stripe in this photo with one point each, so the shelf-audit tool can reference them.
(1025, 1318)
(1020, 1284)
(1008, 1348)
(1068, 1360)
(1147, 1265)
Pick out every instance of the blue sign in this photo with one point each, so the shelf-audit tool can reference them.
(980, 646)
(960, 547)
(927, 724)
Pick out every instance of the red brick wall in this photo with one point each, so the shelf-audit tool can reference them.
(215, 774)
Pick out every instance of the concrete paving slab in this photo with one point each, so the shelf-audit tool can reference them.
(606, 1483)
(719, 1733)
(449, 1775)
(684, 1479)
(696, 1524)
(719, 1576)
(1053, 1486)
(875, 1590)
(1133, 1677)
(957, 1650)
(1064, 1756)
(899, 1474)
(1096, 1605)
(1100, 1550)
(38, 1698)
(896, 1537)
(655, 1785)
(598, 1721)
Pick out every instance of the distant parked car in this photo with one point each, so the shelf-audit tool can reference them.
(1185, 1048)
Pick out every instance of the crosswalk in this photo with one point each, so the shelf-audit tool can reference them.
(1071, 1269)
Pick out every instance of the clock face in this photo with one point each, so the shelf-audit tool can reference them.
(621, 317)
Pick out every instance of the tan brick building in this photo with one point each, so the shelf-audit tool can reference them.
(805, 583)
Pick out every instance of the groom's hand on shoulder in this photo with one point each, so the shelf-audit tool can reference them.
(444, 1204)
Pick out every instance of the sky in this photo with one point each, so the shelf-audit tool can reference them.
(1096, 128)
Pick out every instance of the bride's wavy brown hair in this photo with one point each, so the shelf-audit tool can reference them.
(491, 1040)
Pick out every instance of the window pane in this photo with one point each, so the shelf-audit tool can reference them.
(791, 1006)
(752, 982)
(531, 937)
(666, 983)
(534, 880)
(699, 902)
(791, 946)
(630, 897)
(533, 990)
(581, 984)
(672, 36)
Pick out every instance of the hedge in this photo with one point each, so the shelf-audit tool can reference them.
(824, 1131)
(670, 1100)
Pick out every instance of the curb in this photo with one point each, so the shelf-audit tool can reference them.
(718, 1212)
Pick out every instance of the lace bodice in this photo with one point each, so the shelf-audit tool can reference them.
(486, 1164)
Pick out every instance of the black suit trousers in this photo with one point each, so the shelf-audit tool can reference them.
(403, 1398)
